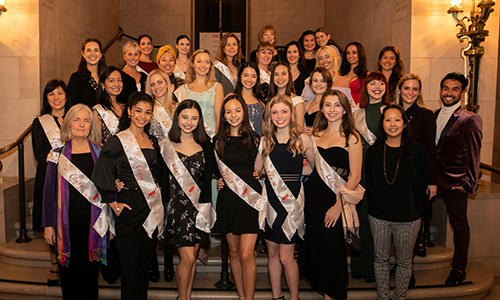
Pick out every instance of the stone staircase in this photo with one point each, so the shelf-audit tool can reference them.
(24, 270)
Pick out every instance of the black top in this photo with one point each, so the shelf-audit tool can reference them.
(82, 89)
(78, 204)
(299, 82)
(309, 118)
(423, 130)
(402, 201)
(227, 86)
(41, 144)
(113, 164)
(130, 86)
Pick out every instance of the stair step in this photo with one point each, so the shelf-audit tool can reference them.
(21, 282)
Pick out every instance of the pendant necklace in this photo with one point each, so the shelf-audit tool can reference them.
(397, 165)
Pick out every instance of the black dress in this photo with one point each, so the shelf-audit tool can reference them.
(41, 148)
(290, 169)
(309, 118)
(233, 214)
(82, 89)
(323, 254)
(180, 213)
(80, 280)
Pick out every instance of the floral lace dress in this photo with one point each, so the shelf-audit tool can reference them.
(180, 214)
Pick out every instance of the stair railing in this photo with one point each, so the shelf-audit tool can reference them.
(19, 143)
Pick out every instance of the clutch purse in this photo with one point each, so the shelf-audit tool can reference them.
(352, 239)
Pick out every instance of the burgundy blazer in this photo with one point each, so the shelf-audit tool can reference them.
(458, 152)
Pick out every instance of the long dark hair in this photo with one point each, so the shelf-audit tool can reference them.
(347, 127)
(397, 72)
(360, 70)
(221, 55)
(247, 134)
(301, 38)
(49, 87)
(256, 88)
(406, 137)
(302, 60)
(132, 101)
(273, 89)
(199, 134)
(103, 97)
(82, 65)
(364, 98)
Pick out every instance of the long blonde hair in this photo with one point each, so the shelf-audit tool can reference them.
(191, 74)
(269, 129)
(333, 55)
(171, 104)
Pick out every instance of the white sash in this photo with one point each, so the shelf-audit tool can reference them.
(360, 122)
(336, 183)
(244, 191)
(178, 73)
(86, 187)
(227, 72)
(161, 114)
(294, 206)
(109, 118)
(51, 130)
(146, 182)
(265, 76)
(205, 219)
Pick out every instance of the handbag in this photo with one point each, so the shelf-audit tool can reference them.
(352, 239)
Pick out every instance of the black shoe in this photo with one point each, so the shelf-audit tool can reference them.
(412, 281)
(169, 275)
(392, 272)
(420, 251)
(357, 275)
(154, 275)
(53, 282)
(456, 277)
(369, 279)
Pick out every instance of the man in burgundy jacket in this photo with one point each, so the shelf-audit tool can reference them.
(458, 147)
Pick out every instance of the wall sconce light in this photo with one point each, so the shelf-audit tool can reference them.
(2, 6)
(475, 34)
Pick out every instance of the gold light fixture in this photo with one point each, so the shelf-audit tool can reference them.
(3, 9)
(474, 33)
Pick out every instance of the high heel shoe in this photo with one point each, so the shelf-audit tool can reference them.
(280, 298)
(53, 282)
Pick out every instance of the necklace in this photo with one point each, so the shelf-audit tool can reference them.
(397, 165)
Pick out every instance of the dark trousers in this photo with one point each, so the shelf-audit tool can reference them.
(136, 254)
(456, 205)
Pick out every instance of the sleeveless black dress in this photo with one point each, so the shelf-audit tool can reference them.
(290, 170)
(233, 214)
(323, 254)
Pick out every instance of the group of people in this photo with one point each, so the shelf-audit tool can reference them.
(127, 157)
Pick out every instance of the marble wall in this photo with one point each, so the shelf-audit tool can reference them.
(19, 78)
(374, 24)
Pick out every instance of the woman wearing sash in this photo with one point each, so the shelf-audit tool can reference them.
(108, 110)
(158, 86)
(202, 87)
(189, 216)
(130, 164)
(248, 89)
(265, 54)
(282, 84)
(75, 219)
(238, 218)
(282, 151)
(338, 159)
(83, 84)
(227, 62)
(374, 96)
(320, 81)
(396, 170)
(326, 57)
(45, 137)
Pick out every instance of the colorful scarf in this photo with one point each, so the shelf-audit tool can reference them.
(97, 246)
